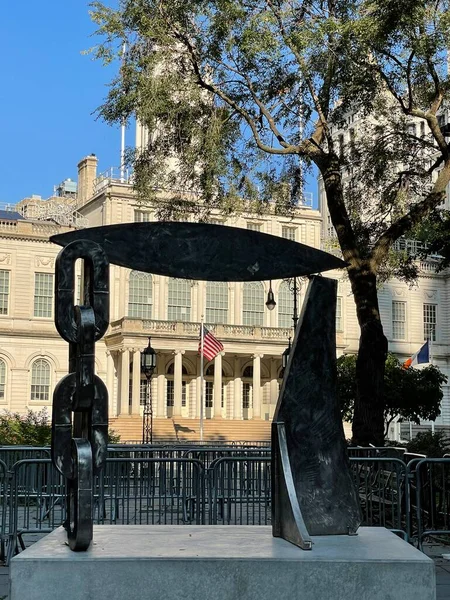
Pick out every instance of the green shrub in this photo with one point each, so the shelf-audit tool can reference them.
(434, 445)
(32, 429)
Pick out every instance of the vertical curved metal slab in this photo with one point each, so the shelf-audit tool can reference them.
(309, 409)
(287, 518)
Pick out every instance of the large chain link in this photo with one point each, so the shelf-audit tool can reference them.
(79, 445)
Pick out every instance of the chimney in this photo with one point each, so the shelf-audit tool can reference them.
(87, 173)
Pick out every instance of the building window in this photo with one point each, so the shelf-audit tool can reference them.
(429, 322)
(339, 320)
(2, 379)
(142, 216)
(247, 399)
(285, 305)
(254, 226)
(40, 380)
(179, 301)
(140, 295)
(43, 294)
(216, 302)
(253, 303)
(341, 146)
(4, 292)
(288, 232)
(398, 320)
(170, 393)
(209, 394)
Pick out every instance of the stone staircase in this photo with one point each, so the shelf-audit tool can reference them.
(129, 427)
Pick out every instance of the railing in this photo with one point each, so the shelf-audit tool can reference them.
(112, 175)
(193, 328)
(214, 485)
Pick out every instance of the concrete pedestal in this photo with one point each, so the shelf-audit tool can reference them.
(221, 563)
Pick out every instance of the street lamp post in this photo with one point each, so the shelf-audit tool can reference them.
(270, 303)
(148, 364)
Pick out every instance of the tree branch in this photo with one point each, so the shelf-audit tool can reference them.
(411, 218)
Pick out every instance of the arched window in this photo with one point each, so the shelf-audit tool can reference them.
(248, 371)
(179, 300)
(253, 303)
(285, 305)
(40, 380)
(216, 302)
(140, 295)
(2, 379)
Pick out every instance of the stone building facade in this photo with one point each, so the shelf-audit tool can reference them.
(241, 384)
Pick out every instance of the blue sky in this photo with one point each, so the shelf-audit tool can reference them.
(48, 94)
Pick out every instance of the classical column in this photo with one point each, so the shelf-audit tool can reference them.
(177, 382)
(257, 385)
(136, 384)
(237, 413)
(198, 385)
(124, 382)
(161, 380)
(110, 382)
(218, 385)
(273, 382)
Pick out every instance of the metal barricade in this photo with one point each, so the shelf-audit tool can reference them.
(382, 486)
(143, 491)
(376, 452)
(207, 455)
(240, 491)
(4, 495)
(36, 501)
(431, 497)
(13, 454)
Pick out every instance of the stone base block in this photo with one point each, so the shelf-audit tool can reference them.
(221, 563)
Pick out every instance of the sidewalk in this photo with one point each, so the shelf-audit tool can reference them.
(435, 551)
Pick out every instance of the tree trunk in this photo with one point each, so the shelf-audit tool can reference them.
(368, 418)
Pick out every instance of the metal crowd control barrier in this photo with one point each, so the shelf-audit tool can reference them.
(431, 497)
(12, 454)
(382, 485)
(376, 452)
(207, 455)
(240, 491)
(36, 501)
(145, 491)
(221, 485)
(4, 495)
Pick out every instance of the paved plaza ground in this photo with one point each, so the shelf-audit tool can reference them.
(434, 550)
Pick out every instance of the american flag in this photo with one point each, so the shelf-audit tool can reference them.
(211, 345)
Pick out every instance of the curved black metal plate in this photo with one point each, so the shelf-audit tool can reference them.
(204, 251)
(309, 408)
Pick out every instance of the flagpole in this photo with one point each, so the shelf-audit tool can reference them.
(122, 128)
(430, 359)
(201, 378)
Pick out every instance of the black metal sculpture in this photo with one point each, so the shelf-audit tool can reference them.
(312, 488)
(312, 492)
(79, 448)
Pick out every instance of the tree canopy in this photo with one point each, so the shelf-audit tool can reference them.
(411, 394)
(240, 97)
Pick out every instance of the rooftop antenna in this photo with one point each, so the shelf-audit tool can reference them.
(123, 127)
